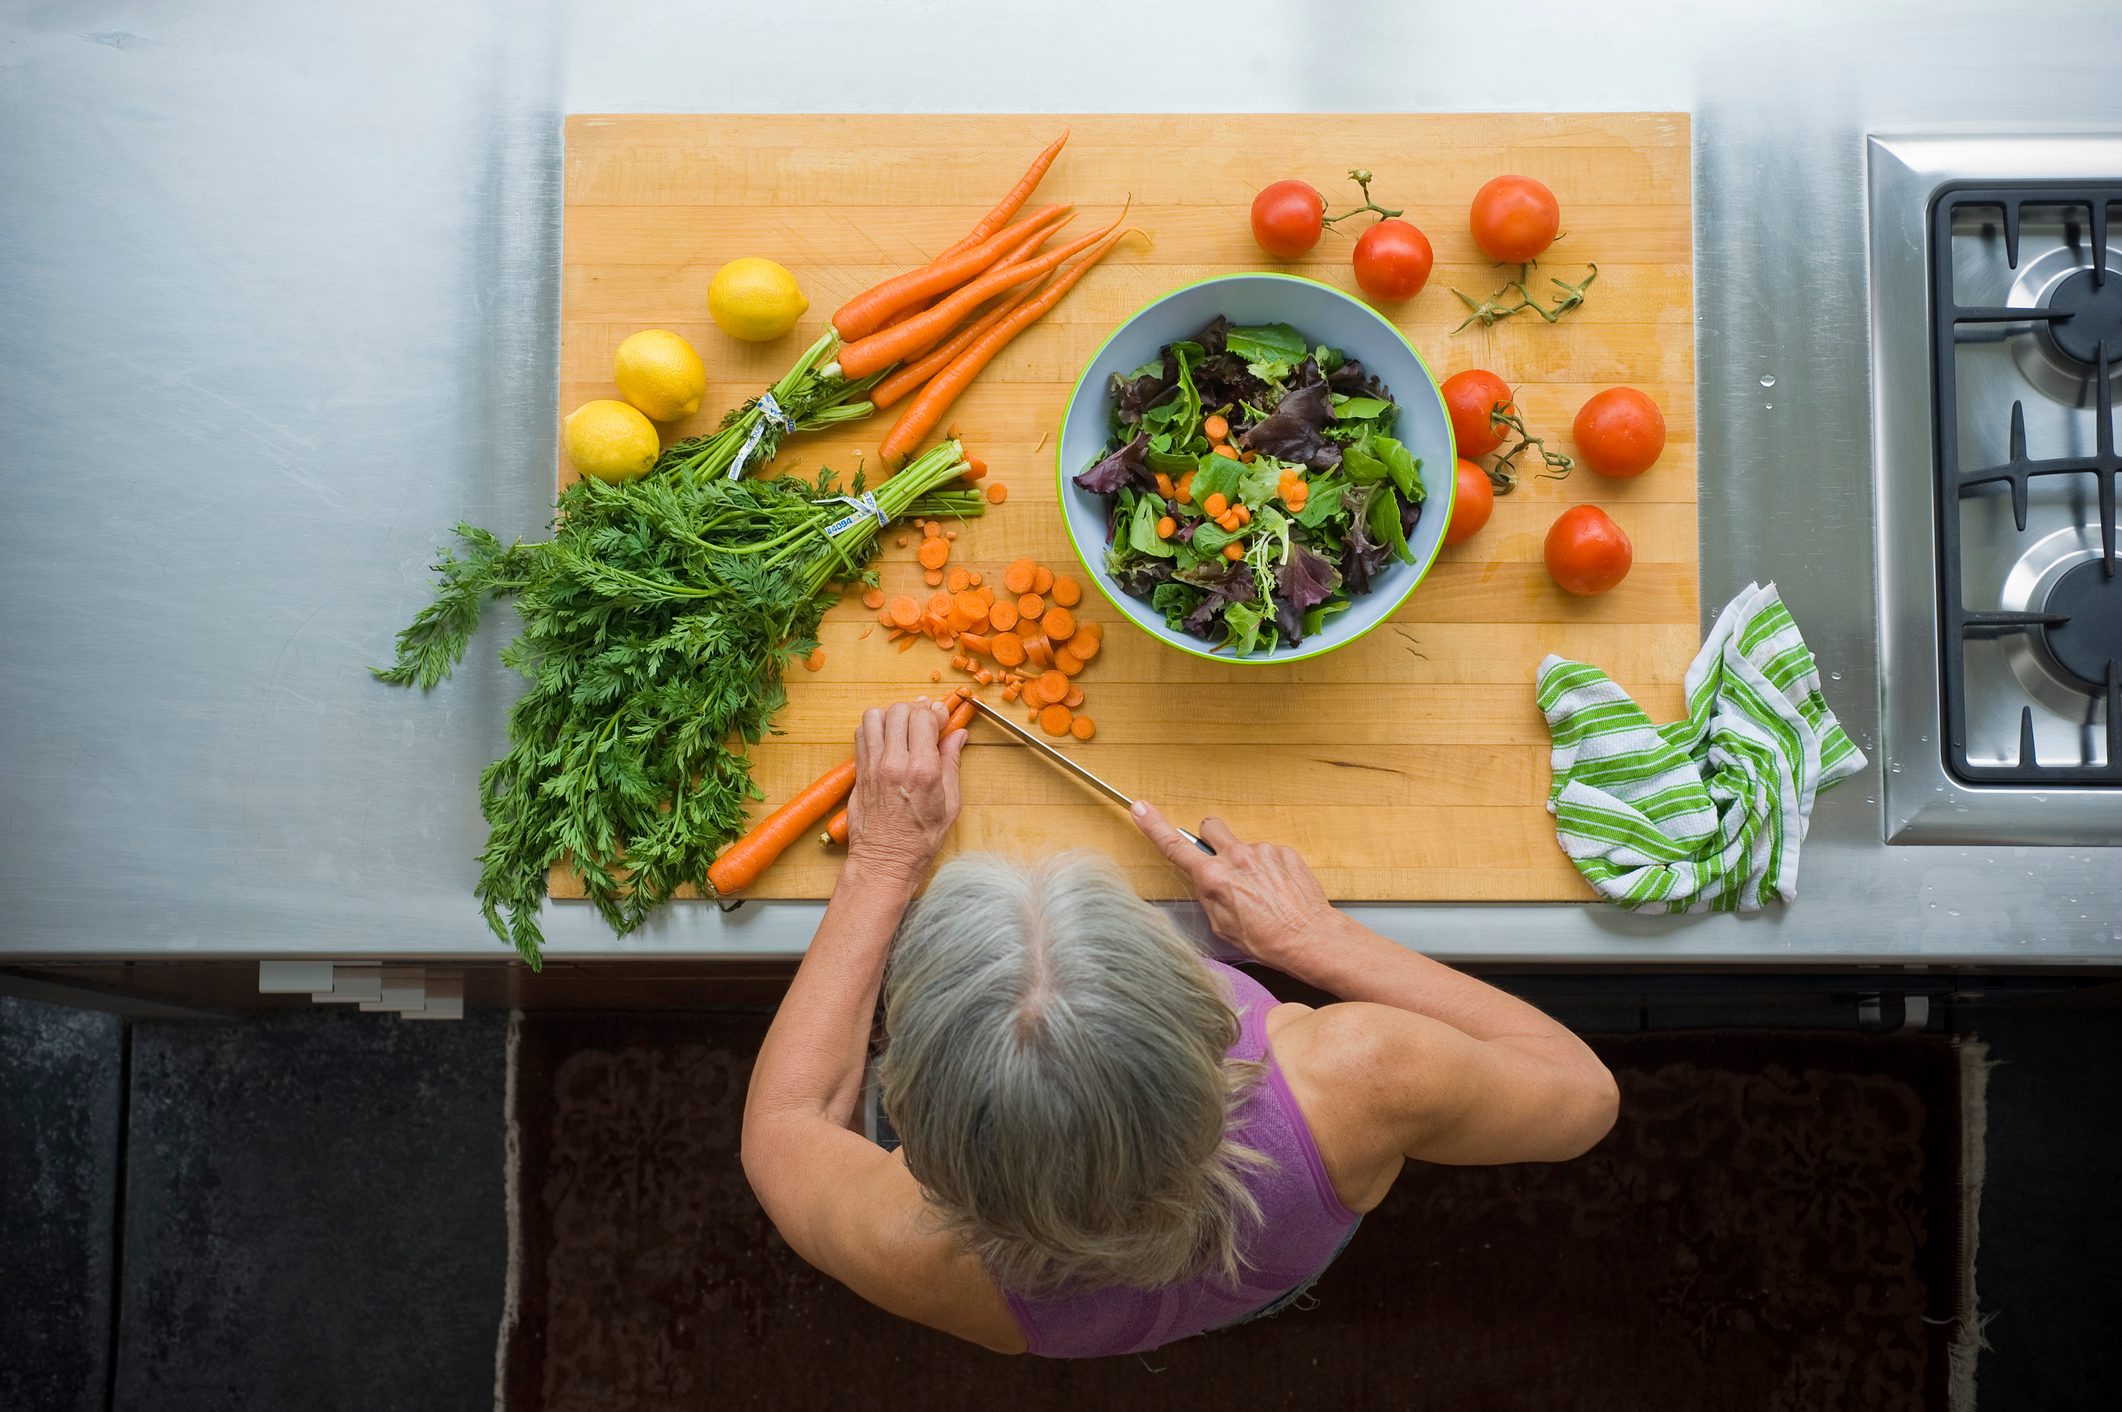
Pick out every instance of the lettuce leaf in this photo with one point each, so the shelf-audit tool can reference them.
(1241, 623)
(1126, 465)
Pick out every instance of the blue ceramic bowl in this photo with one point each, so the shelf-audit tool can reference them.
(1324, 315)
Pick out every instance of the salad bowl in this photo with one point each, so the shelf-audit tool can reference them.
(1352, 583)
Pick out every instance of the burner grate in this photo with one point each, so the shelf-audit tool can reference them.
(2081, 323)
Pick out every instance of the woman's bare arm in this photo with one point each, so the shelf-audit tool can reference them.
(841, 1202)
(1457, 1070)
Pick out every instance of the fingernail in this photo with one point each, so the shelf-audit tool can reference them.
(1141, 807)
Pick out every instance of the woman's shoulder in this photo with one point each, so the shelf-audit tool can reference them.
(1360, 1076)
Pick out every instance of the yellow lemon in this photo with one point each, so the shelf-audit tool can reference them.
(610, 440)
(755, 299)
(660, 373)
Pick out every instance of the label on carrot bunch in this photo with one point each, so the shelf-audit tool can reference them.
(866, 507)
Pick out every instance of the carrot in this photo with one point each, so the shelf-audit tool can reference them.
(1166, 527)
(1014, 200)
(909, 377)
(1003, 616)
(1215, 427)
(973, 578)
(905, 612)
(743, 861)
(933, 578)
(1009, 649)
(934, 553)
(996, 494)
(874, 307)
(961, 718)
(1234, 551)
(901, 341)
(873, 598)
(1083, 646)
(1040, 651)
(815, 661)
(1083, 728)
(968, 603)
(1017, 578)
(1067, 592)
(1215, 505)
(1056, 720)
(1053, 685)
(1074, 697)
(976, 642)
(931, 530)
(975, 468)
(1042, 580)
(959, 581)
(1030, 605)
(1222, 448)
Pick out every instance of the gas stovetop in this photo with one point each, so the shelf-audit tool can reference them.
(1997, 346)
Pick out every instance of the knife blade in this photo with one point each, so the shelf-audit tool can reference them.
(1080, 772)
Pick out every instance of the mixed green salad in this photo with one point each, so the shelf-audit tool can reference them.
(1254, 486)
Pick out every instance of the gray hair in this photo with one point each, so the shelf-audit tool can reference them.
(1057, 1069)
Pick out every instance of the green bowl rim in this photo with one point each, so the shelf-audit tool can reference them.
(1097, 574)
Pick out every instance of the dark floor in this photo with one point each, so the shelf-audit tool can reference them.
(306, 1210)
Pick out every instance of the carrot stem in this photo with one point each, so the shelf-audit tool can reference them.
(1018, 195)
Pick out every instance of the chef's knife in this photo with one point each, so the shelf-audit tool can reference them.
(1071, 766)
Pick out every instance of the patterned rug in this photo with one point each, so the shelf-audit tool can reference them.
(1773, 1224)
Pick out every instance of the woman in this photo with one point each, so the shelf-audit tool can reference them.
(1109, 1141)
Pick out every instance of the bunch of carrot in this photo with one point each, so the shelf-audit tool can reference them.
(930, 322)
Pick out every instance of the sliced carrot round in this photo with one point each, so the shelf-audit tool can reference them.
(969, 604)
(939, 604)
(1083, 728)
(1066, 662)
(1003, 615)
(1030, 605)
(815, 660)
(997, 493)
(1042, 579)
(1017, 578)
(873, 598)
(1067, 592)
(1084, 646)
(1009, 649)
(905, 612)
(1053, 685)
(1060, 624)
(1074, 697)
(933, 578)
(958, 581)
(934, 553)
(1056, 720)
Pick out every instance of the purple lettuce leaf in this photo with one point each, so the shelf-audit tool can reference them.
(1361, 553)
(1126, 466)
(1302, 583)
(1221, 584)
(1295, 430)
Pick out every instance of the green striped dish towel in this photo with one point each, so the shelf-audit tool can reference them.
(1705, 814)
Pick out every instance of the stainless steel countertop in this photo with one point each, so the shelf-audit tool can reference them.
(280, 288)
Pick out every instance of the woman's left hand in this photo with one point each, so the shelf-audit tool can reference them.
(906, 788)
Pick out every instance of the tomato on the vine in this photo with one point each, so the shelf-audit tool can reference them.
(1288, 217)
(1514, 218)
(1469, 397)
(1586, 552)
(1620, 432)
(1473, 501)
(1393, 260)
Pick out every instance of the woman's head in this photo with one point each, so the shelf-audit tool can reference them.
(1057, 1071)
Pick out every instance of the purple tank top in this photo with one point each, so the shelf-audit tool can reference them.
(1303, 1226)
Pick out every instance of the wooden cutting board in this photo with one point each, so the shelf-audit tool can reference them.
(1410, 765)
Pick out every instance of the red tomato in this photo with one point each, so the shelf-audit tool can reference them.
(1620, 432)
(1287, 218)
(1469, 397)
(1514, 218)
(1472, 503)
(1393, 260)
(1586, 551)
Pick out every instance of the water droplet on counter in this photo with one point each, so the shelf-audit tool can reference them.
(1933, 906)
(1952, 911)
(1834, 676)
(1768, 406)
(1768, 379)
(1896, 767)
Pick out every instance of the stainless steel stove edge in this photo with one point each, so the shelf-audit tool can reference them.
(1922, 802)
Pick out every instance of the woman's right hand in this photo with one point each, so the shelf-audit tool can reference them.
(1260, 897)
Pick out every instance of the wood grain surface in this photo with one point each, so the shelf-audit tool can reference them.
(1409, 765)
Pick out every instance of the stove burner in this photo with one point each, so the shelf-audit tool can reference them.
(2089, 640)
(2092, 317)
